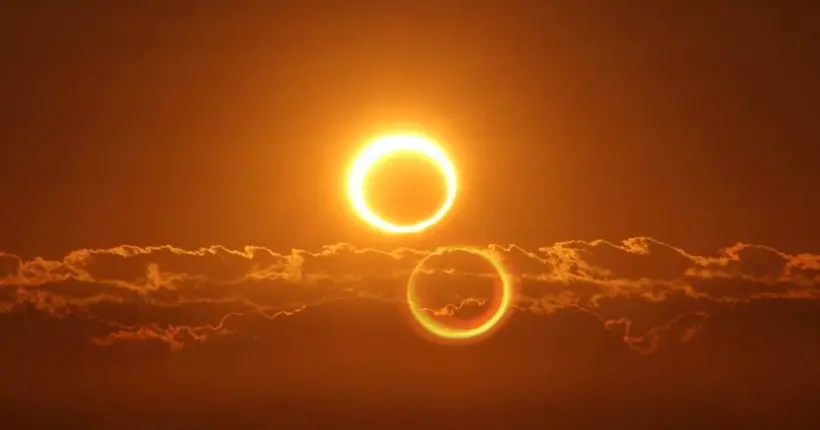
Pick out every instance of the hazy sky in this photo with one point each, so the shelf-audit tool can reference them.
(177, 251)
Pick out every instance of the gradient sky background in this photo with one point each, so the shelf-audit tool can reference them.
(649, 170)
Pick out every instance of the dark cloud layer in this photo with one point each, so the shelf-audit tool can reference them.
(639, 334)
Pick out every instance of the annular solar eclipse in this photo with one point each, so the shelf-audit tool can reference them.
(419, 145)
(382, 147)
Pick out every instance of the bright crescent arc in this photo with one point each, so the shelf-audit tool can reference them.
(447, 333)
(388, 145)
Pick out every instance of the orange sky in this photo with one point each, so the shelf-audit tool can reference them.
(176, 250)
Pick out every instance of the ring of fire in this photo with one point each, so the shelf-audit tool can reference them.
(389, 145)
(435, 328)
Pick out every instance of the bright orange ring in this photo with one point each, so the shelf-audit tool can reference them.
(448, 333)
(385, 146)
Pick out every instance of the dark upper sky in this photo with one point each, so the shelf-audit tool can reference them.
(231, 123)
(171, 123)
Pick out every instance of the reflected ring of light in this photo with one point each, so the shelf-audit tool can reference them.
(389, 145)
(435, 328)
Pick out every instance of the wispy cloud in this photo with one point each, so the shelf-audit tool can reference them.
(589, 276)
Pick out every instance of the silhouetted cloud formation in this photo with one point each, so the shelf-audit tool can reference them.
(187, 296)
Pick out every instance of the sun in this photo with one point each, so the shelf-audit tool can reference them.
(376, 150)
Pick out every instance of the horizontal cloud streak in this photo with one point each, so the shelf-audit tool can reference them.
(596, 277)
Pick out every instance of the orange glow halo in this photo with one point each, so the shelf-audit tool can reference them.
(382, 147)
(441, 332)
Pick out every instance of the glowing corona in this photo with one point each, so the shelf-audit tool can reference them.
(389, 145)
(437, 329)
